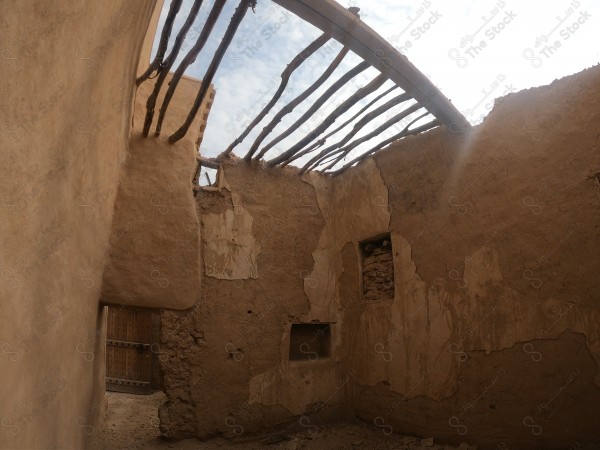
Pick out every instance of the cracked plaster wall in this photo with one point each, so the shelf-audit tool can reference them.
(496, 241)
(492, 336)
(225, 362)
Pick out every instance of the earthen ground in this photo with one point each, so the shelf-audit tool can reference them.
(132, 423)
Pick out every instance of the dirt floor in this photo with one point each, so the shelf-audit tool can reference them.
(132, 423)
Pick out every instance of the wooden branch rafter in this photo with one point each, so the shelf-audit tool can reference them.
(285, 77)
(371, 87)
(336, 23)
(236, 19)
(163, 43)
(189, 59)
(323, 140)
(296, 101)
(166, 65)
(359, 126)
(342, 81)
(342, 152)
(405, 132)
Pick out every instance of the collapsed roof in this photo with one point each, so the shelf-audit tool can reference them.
(423, 105)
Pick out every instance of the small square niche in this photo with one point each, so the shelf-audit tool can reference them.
(377, 264)
(310, 341)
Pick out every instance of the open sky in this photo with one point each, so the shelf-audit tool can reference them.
(473, 51)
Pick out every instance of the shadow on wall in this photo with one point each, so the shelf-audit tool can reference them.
(66, 116)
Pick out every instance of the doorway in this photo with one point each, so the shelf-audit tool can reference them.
(132, 338)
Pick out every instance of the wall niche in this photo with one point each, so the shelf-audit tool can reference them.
(310, 341)
(377, 266)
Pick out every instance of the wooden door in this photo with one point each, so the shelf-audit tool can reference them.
(131, 364)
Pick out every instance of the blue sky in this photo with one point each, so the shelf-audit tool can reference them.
(474, 51)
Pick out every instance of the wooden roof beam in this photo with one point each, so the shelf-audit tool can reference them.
(346, 28)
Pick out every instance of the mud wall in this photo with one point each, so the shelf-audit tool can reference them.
(489, 333)
(153, 259)
(492, 336)
(68, 71)
(226, 362)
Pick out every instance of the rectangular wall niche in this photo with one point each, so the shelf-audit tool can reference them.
(310, 341)
(377, 268)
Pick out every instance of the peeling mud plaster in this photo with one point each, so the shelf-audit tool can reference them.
(230, 249)
(354, 208)
(464, 311)
(418, 343)
(296, 387)
(407, 339)
(238, 339)
(489, 274)
(481, 268)
(350, 212)
(426, 334)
